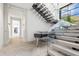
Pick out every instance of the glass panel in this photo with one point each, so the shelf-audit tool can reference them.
(75, 11)
(64, 14)
(75, 19)
(73, 6)
(64, 9)
(71, 13)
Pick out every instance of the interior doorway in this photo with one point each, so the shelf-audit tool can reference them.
(15, 27)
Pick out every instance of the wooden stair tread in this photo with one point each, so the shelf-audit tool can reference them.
(69, 31)
(74, 28)
(64, 50)
(65, 43)
(54, 53)
(68, 38)
(69, 34)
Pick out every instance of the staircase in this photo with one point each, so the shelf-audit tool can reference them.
(43, 11)
(66, 42)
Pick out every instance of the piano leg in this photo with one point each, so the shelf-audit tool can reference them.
(37, 42)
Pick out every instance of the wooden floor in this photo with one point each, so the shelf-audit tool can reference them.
(17, 47)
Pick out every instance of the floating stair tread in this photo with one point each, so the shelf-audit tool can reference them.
(69, 34)
(74, 28)
(54, 53)
(69, 31)
(65, 50)
(68, 38)
(65, 43)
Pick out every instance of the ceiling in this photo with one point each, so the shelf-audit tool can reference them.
(23, 5)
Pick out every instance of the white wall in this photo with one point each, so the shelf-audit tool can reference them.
(1, 24)
(53, 8)
(5, 23)
(31, 23)
(35, 23)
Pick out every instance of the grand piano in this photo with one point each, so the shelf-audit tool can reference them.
(43, 36)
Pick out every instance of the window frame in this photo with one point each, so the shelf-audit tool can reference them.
(62, 8)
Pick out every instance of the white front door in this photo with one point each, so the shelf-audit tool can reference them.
(16, 28)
